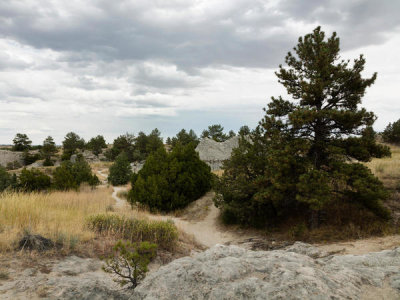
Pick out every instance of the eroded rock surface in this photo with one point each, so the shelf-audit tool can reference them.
(214, 153)
(300, 271)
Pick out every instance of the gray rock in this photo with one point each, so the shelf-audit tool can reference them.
(7, 156)
(214, 153)
(298, 272)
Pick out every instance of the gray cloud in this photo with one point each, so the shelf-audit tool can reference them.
(93, 63)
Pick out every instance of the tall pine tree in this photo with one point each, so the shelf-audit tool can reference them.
(303, 155)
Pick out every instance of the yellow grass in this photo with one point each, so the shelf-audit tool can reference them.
(60, 216)
(387, 169)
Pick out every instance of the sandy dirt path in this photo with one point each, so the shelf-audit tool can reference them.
(208, 232)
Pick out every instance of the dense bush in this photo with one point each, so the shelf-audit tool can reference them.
(162, 233)
(120, 171)
(391, 134)
(30, 158)
(300, 160)
(170, 181)
(5, 179)
(71, 175)
(33, 180)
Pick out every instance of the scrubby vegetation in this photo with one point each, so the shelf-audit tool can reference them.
(5, 179)
(129, 262)
(170, 181)
(33, 180)
(300, 161)
(136, 148)
(71, 175)
(391, 134)
(216, 132)
(120, 171)
(162, 233)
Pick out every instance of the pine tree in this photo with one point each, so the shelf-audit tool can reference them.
(301, 155)
(120, 171)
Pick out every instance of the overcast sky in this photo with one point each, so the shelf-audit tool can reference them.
(110, 67)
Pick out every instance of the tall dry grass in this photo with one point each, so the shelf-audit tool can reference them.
(387, 169)
(60, 216)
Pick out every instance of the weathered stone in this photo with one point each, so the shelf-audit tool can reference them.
(214, 153)
(298, 272)
(7, 156)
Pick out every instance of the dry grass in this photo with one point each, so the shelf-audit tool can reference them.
(387, 169)
(60, 216)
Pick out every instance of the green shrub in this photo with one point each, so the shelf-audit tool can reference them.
(13, 165)
(162, 233)
(129, 261)
(71, 175)
(391, 134)
(170, 181)
(33, 180)
(5, 179)
(30, 158)
(120, 171)
(48, 162)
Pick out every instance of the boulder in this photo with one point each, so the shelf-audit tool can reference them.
(300, 271)
(7, 156)
(214, 153)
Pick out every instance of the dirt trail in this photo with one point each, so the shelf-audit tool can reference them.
(208, 232)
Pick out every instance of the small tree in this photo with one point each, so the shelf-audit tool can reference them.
(123, 143)
(171, 181)
(129, 262)
(120, 171)
(48, 150)
(215, 132)
(71, 143)
(391, 134)
(97, 144)
(21, 142)
(33, 180)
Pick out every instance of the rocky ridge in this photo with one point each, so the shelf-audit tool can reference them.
(300, 271)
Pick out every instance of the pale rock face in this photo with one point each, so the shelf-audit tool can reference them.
(214, 153)
(299, 272)
(9, 157)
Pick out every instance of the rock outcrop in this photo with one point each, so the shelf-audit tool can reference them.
(298, 272)
(7, 156)
(214, 153)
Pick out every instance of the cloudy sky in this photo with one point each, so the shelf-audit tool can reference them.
(110, 67)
